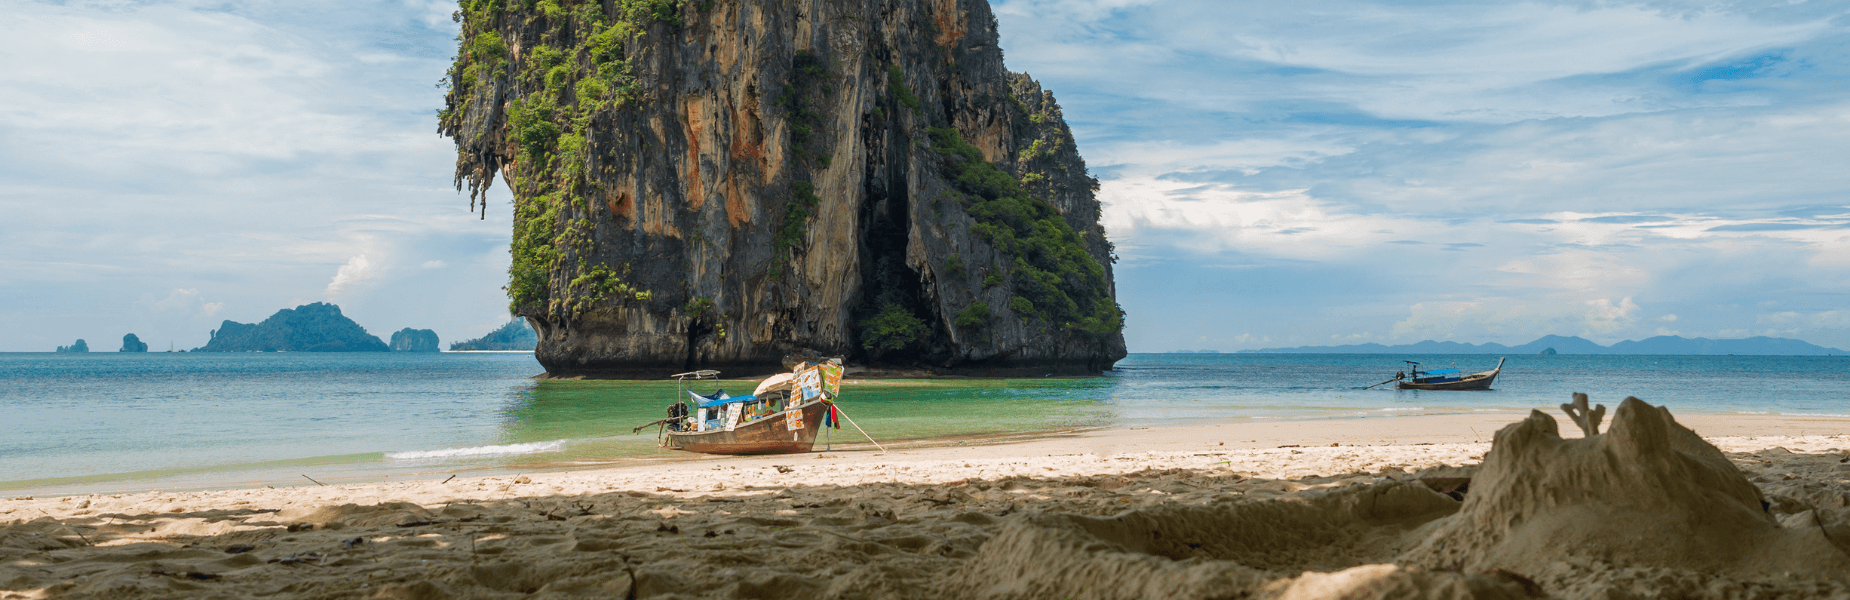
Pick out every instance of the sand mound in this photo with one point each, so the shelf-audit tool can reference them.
(1230, 549)
(1648, 493)
(1646, 509)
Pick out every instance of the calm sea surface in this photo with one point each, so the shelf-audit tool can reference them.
(116, 422)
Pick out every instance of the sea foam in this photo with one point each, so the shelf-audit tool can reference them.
(527, 448)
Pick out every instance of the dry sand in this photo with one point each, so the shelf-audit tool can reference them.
(1286, 509)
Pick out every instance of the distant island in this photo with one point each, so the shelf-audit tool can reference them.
(515, 335)
(80, 346)
(130, 343)
(415, 340)
(1554, 344)
(317, 327)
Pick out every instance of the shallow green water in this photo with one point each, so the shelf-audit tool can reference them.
(118, 422)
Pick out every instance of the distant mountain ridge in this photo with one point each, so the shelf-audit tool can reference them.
(1663, 344)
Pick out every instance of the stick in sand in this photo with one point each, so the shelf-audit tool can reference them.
(313, 479)
(857, 427)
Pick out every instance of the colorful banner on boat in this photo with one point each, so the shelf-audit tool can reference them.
(831, 378)
(808, 382)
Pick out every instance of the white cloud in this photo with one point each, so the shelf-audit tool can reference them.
(1833, 319)
(188, 302)
(357, 271)
(1513, 320)
(1605, 317)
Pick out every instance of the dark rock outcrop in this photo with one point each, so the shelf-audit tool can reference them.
(80, 346)
(731, 184)
(130, 343)
(515, 335)
(415, 340)
(317, 327)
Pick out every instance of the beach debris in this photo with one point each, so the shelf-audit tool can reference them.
(295, 527)
(353, 542)
(523, 479)
(782, 468)
(447, 479)
(239, 549)
(313, 479)
(1587, 420)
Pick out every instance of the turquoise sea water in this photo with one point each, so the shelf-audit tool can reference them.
(117, 422)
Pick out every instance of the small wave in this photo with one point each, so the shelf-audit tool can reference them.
(527, 448)
(1400, 409)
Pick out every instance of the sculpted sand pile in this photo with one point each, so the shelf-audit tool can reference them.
(1648, 493)
(1648, 507)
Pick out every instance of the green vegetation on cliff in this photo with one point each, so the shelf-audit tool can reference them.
(723, 184)
(578, 73)
(1054, 276)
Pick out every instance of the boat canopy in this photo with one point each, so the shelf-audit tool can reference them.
(1441, 372)
(720, 398)
(778, 382)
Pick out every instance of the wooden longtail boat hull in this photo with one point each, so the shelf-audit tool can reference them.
(1478, 381)
(772, 435)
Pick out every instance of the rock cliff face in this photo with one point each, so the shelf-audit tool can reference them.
(415, 340)
(736, 183)
(317, 327)
(79, 346)
(131, 343)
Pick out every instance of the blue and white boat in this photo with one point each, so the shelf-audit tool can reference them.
(1446, 379)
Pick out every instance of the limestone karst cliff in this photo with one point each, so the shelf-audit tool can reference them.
(415, 340)
(735, 183)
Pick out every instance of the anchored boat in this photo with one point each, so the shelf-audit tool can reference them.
(782, 416)
(1446, 379)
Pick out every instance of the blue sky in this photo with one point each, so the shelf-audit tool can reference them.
(1274, 174)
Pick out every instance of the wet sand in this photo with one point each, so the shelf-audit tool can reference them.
(911, 522)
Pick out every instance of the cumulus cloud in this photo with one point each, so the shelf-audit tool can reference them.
(1508, 170)
(357, 271)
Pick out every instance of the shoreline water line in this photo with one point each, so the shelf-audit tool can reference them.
(1246, 433)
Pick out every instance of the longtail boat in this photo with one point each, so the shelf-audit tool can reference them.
(782, 416)
(1446, 379)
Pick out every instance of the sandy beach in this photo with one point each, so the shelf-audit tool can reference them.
(1324, 508)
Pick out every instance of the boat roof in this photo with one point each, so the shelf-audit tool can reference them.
(1442, 371)
(720, 398)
